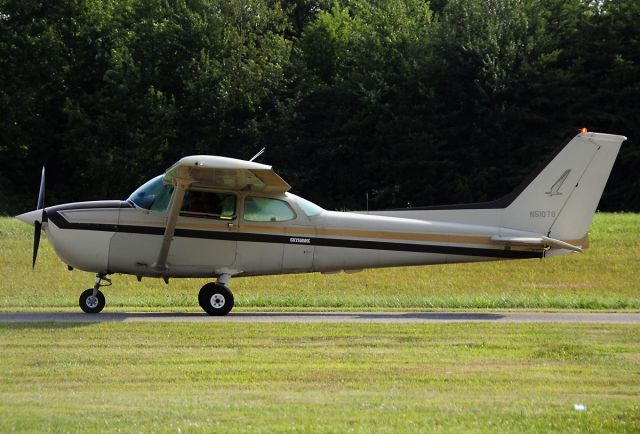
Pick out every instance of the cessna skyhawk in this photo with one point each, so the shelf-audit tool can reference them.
(216, 217)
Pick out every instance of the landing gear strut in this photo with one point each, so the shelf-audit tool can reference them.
(216, 298)
(92, 300)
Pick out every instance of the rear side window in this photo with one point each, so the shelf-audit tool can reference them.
(209, 205)
(266, 209)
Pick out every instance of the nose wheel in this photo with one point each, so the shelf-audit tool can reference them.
(92, 300)
(215, 299)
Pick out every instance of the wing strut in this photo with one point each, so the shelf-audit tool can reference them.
(172, 218)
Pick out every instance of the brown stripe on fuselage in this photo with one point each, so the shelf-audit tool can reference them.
(367, 234)
(271, 228)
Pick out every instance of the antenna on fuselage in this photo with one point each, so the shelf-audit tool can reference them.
(260, 152)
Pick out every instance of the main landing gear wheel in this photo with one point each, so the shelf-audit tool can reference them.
(92, 303)
(215, 299)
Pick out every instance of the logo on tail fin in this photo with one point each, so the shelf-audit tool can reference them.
(554, 191)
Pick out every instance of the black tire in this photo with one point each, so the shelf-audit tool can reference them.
(90, 304)
(215, 299)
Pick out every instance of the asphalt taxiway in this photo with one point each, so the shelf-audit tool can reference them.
(325, 317)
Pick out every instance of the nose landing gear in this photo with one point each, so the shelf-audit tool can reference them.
(92, 300)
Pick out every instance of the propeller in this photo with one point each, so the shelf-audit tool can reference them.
(38, 224)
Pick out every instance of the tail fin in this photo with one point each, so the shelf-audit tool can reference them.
(558, 200)
(561, 199)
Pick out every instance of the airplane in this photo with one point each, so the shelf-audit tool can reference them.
(216, 217)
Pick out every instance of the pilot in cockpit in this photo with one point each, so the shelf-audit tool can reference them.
(202, 203)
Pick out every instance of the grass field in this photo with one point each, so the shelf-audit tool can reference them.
(604, 277)
(319, 377)
(324, 377)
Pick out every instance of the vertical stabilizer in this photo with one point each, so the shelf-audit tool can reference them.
(561, 200)
(558, 200)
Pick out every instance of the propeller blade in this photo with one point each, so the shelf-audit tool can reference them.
(41, 192)
(36, 241)
(38, 224)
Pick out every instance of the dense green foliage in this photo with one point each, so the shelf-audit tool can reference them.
(409, 101)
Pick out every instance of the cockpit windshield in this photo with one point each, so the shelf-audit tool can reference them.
(309, 208)
(153, 195)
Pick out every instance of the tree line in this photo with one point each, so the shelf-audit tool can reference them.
(406, 102)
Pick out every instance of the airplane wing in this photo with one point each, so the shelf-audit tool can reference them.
(210, 171)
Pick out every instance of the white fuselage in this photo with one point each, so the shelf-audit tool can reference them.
(119, 237)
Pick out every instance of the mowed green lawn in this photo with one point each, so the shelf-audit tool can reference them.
(604, 277)
(319, 377)
(325, 377)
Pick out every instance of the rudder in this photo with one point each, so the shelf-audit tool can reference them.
(561, 200)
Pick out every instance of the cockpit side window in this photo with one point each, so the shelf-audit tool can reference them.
(155, 195)
(206, 204)
(266, 209)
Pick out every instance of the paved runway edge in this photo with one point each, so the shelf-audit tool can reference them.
(322, 317)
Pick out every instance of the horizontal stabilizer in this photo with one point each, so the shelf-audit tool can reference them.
(537, 241)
